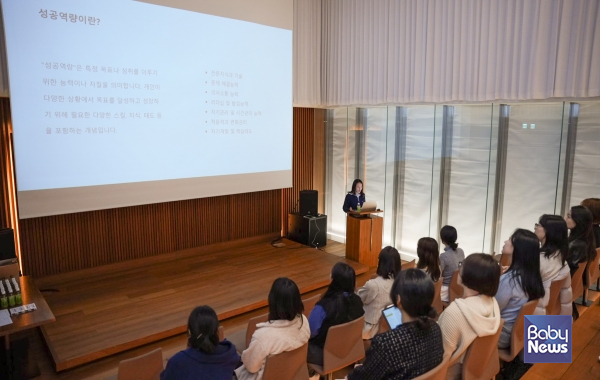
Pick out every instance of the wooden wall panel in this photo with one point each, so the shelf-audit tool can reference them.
(302, 161)
(64, 243)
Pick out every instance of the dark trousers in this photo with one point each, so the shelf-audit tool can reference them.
(315, 354)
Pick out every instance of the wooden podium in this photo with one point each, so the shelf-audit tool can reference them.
(363, 236)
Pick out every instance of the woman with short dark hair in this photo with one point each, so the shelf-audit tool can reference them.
(415, 346)
(286, 329)
(428, 252)
(375, 294)
(522, 282)
(338, 305)
(474, 315)
(553, 235)
(205, 358)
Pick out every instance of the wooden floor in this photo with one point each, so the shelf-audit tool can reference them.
(110, 309)
(585, 349)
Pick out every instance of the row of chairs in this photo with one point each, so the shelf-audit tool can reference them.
(344, 345)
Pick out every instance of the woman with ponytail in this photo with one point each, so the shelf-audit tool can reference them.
(415, 346)
(205, 358)
(450, 259)
(474, 315)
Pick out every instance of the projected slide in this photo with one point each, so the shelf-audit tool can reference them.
(114, 92)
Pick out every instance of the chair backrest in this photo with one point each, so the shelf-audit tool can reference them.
(310, 303)
(343, 345)
(408, 265)
(593, 271)
(252, 326)
(517, 335)
(455, 290)
(577, 281)
(289, 365)
(221, 333)
(437, 300)
(481, 359)
(553, 307)
(439, 372)
(144, 367)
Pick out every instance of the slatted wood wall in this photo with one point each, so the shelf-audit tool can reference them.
(63, 243)
(302, 162)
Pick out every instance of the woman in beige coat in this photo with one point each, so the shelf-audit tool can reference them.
(375, 294)
(286, 330)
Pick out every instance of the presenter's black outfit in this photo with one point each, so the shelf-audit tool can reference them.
(352, 201)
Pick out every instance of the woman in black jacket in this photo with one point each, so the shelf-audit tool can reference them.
(582, 245)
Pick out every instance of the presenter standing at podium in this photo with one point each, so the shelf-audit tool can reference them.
(355, 197)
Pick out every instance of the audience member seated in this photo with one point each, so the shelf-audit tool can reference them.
(429, 257)
(582, 244)
(450, 259)
(375, 294)
(205, 358)
(415, 346)
(553, 235)
(593, 204)
(476, 314)
(338, 305)
(522, 281)
(286, 329)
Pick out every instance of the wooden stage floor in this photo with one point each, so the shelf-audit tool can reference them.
(110, 309)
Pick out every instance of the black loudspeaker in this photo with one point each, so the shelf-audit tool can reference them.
(308, 230)
(7, 244)
(309, 202)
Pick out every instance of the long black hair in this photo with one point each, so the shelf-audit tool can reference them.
(429, 257)
(203, 329)
(557, 237)
(416, 291)
(343, 280)
(388, 265)
(525, 266)
(353, 191)
(449, 236)
(583, 218)
(284, 300)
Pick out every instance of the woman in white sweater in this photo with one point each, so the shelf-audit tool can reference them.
(286, 330)
(553, 235)
(375, 294)
(475, 314)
